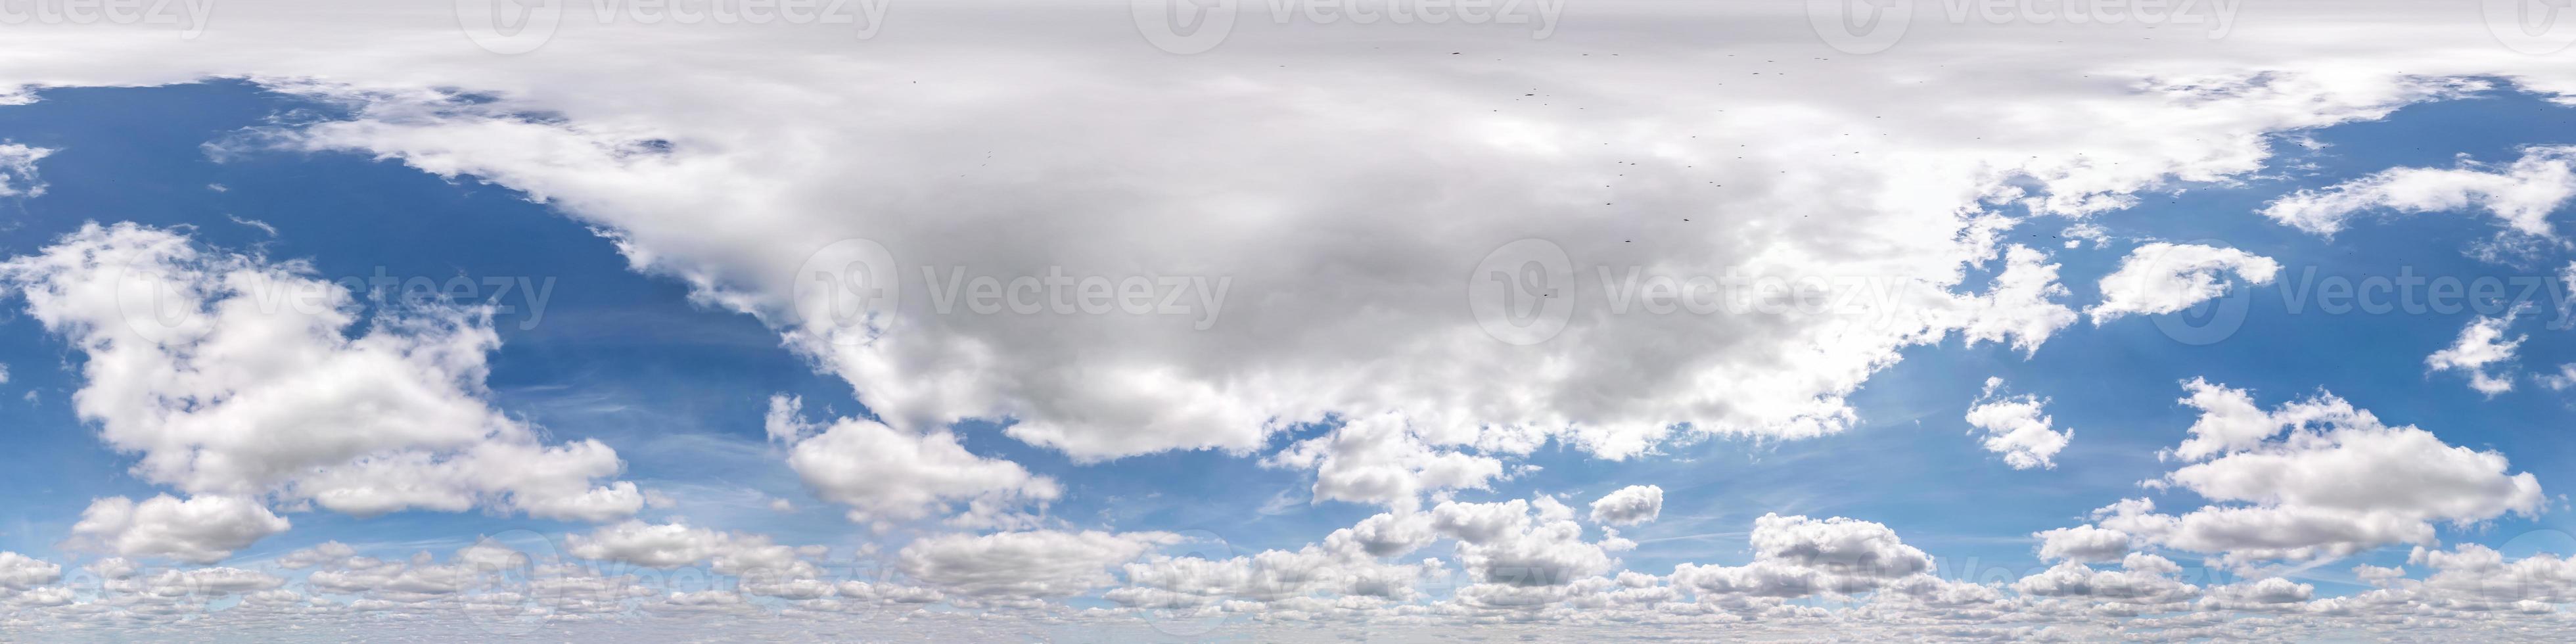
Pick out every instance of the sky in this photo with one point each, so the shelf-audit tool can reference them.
(1082, 321)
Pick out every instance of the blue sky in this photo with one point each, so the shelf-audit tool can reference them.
(679, 388)
(650, 330)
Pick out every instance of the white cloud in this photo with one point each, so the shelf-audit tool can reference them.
(1346, 564)
(412, 580)
(2082, 544)
(1098, 387)
(2268, 590)
(2077, 234)
(19, 572)
(1379, 460)
(885, 474)
(2161, 277)
(2021, 304)
(1385, 534)
(2477, 577)
(2015, 427)
(255, 224)
(673, 544)
(1630, 505)
(2317, 479)
(1043, 563)
(327, 553)
(2132, 584)
(202, 529)
(232, 375)
(1795, 556)
(2565, 378)
(909, 144)
(2521, 195)
(2482, 344)
(1521, 543)
(1809, 579)
(213, 582)
(2230, 421)
(18, 170)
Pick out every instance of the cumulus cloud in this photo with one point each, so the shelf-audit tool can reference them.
(1522, 543)
(20, 572)
(643, 143)
(236, 376)
(1814, 578)
(2022, 305)
(2141, 580)
(2082, 544)
(1346, 564)
(1380, 460)
(2317, 479)
(2268, 590)
(1630, 505)
(885, 474)
(2477, 577)
(2015, 427)
(2162, 277)
(2482, 345)
(202, 529)
(1795, 556)
(673, 544)
(1103, 385)
(1040, 563)
(2520, 195)
(1386, 534)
